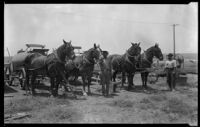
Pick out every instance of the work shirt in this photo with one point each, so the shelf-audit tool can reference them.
(170, 64)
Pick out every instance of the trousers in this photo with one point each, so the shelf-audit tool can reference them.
(171, 78)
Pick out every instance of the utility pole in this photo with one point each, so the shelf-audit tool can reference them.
(174, 25)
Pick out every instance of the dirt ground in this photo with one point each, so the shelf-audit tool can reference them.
(156, 105)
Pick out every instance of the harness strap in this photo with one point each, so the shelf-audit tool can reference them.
(135, 57)
(128, 60)
(56, 55)
(145, 58)
(84, 58)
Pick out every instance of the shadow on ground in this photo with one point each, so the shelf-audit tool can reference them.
(140, 89)
(8, 89)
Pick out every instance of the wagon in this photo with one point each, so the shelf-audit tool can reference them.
(16, 67)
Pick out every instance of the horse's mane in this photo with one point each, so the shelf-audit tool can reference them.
(149, 49)
(88, 50)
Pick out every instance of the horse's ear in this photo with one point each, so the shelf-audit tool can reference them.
(64, 41)
(156, 45)
(95, 45)
(132, 43)
(139, 44)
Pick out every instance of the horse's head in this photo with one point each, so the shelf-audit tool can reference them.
(96, 53)
(157, 52)
(135, 49)
(68, 49)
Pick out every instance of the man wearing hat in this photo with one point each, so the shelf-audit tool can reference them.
(170, 68)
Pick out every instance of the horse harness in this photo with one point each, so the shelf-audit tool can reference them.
(145, 59)
(55, 60)
(84, 62)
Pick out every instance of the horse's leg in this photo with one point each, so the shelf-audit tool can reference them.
(142, 77)
(114, 75)
(133, 85)
(102, 83)
(123, 78)
(145, 80)
(103, 89)
(52, 85)
(88, 83)
(27, 84)
(33, 83)
(84, 82)
(107, 88)
(57, 85)
(130, 80)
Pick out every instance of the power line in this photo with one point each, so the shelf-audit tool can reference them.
(122, 20)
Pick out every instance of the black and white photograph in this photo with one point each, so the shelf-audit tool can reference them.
(101, 63)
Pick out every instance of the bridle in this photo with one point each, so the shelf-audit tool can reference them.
(127, 57)
(87, 61)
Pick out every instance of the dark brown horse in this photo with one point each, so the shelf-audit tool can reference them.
(125, 63)
(83, 66)
(146, 60)
(51, 65)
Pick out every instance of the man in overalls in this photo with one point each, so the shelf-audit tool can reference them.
(170, 68)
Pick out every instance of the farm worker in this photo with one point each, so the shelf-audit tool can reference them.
(170, 68)
(105, 75)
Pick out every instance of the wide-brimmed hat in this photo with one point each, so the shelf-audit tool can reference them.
(170, 55)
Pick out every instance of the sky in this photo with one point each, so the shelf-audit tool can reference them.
(112, 26)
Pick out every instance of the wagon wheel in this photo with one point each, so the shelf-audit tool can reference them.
(7, 77)
(22, 78)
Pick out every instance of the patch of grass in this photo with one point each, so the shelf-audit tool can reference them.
(122, 103)
(158, 98)
(31, 104)
(59, 115)
(145, 101)
(177, 106)
(146, 104)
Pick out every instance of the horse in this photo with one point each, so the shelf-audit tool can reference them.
(145, 60)
(179, 60)
(51, 65)
(124, 63)
(83, 66)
